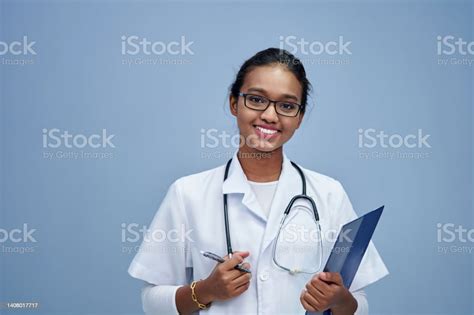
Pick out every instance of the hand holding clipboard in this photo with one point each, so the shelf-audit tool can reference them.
(350, 247)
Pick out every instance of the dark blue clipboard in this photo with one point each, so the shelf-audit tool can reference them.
(350, 247)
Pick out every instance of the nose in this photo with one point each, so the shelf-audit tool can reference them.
(270, 114)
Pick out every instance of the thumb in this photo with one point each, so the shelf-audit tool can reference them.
(237, 258)
(242, 254)
(331, 277)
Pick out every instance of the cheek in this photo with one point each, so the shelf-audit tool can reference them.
(290, 127)
(244, 119)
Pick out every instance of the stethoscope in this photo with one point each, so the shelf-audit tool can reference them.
(285, 214)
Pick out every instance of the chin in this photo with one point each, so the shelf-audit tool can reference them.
(255, 143)
(266, 148)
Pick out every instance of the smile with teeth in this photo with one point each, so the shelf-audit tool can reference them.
(266, 133)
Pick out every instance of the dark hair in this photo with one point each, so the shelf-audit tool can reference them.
(272, 56)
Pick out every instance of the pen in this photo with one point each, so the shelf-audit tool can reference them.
(221, 260)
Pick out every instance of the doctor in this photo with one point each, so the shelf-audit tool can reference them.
(268, 99)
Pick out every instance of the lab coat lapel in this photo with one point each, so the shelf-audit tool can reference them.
(289, 185)
(236, 182)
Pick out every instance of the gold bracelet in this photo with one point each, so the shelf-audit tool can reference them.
(194, 297)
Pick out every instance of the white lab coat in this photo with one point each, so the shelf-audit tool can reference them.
(191, 215)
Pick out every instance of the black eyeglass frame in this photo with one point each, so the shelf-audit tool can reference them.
(244, 95)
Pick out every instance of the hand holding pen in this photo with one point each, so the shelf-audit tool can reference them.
(229, 278)
(221, 260)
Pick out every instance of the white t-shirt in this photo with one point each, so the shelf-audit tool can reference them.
(264, 191)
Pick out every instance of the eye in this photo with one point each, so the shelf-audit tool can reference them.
(288, 107)
(256, 99)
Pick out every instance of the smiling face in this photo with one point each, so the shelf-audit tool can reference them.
(267, 131)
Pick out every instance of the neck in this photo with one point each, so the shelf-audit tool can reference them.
(261, 166)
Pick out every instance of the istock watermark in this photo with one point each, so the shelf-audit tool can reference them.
(220, 144)
(300, 233)
(17, 240)
(456, 51)
(17, 52)
(317, 52)
(135, 236)
(63, 144)
(379, 144)
(454, 239)
(144, 51)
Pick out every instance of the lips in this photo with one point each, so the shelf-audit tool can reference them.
(266, 132)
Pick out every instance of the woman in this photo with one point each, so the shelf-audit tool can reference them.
(268, 99)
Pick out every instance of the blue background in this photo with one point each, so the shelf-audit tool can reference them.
(392, 82)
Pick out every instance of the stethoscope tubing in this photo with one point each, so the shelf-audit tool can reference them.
(287, 209)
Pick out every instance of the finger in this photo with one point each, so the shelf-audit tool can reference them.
(316, 304)
(246, 266)
(240, 253)
(231, 275)
(236, 274)
(234, 261)
(243, 254)
(244, 278)
(331, 277)
(317, 294)
(321, 285)
(307, 307)
(242, 267)
(242, 289)
(314, 291)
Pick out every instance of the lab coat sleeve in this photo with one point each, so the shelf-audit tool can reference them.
(362, 304)
(372, 267)
(164, 260)
(159, 299)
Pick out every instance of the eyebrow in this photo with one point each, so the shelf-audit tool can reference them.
(256, 89)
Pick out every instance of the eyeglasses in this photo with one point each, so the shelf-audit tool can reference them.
(261, 103)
